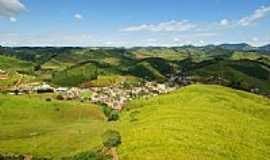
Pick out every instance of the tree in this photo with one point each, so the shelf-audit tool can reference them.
(111, 139)
(37, 67)
(114, 116)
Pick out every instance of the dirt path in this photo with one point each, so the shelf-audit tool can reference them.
(114, 153)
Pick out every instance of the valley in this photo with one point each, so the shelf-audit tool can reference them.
(188, 102)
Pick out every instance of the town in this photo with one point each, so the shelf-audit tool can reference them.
(115, 96)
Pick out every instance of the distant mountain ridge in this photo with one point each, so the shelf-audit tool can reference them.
(240, 46)
(245, 47)
(265, 48)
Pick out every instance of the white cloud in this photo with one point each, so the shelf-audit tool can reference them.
(258, 14)
(255, 39)
(10, 8)
(151, 40)
(78, 16)
(224, 22)
(202, 42)
(171, 26)
(12, 19)
(176, 39)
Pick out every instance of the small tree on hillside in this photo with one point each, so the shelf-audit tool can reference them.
(111, 139)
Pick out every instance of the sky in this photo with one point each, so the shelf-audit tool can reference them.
(131, 23)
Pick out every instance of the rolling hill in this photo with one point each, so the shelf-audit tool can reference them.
(240, 74)
(48, 129)
(197, 122)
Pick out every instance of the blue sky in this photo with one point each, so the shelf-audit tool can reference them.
(133, 22)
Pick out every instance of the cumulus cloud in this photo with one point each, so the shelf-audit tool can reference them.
(78, 16)
(224, 22)
(10, 8)
(12, 19)
(171, 26)
(258, 14)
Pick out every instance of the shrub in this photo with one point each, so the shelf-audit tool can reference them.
(112, 115)
(91, 155)
(60, 97)
(111, 139)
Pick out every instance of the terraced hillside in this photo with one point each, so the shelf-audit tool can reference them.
(197, 122)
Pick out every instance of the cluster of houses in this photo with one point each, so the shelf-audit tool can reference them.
(118, 95)
(115, 96)
(63, 92)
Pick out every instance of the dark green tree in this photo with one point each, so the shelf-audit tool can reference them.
(111, 138)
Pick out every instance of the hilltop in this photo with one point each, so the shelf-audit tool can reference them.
(197, 122)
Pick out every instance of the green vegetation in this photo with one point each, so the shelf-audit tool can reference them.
(197, 122)
(13, 64)
(253, 56)
(109, 80)
(165, 53)
(101, 67)
(75, 76)
(146, 71)
(111, 114)
(97, 154)
(246, 74)
(31, 125)
(111, 139)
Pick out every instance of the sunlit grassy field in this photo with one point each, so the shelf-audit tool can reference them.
(31, 125)
(197, 122)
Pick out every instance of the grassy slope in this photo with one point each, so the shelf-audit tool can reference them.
(13, 64)
(32, 125)
(197, 122)
(251, 56)
(251, 75)
(165, 53)
(104, 81)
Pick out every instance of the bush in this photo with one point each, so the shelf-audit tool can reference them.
(91, 155)
(48, 99)
(111, 139)
(60, 97)
(112, 115)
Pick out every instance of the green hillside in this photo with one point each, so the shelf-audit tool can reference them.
(16, 70)
(32, 125)
(242, 74)
(76, 75)
(254, 56)
(13, 64)
(152, 69)
(197, 122)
